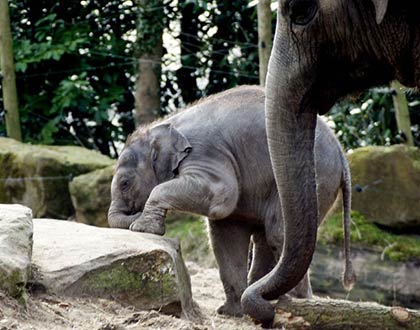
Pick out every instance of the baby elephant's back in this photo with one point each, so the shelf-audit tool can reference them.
(329, 158)
(223, 115)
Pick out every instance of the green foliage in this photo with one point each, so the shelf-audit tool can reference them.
(76, 66)
(72, 89)
(370, 119)
(219, 50)
(367, 235)
(150, 24)
(48, 44)
(76, 62)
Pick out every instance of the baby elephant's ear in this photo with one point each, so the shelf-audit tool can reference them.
(380, 9)
(169, 149)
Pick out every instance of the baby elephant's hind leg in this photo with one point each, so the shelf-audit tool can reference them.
(275, 240)
(263, 260)
(230, 241)
(303, 289)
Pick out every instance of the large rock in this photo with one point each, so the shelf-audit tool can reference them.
(383, 281)
(386, 184)
(91, 196)
(15, 248)
(144, 270)
(38, 176)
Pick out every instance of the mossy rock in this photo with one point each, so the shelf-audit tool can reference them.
(38, 176)
(386, 184)
(91, 196)
(143, 270)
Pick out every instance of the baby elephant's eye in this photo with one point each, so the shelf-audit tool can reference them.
(302, 11)
(124, 185)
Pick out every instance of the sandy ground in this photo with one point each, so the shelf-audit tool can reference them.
(46, 312)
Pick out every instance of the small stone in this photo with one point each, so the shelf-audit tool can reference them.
(64, 305)
(400, 314)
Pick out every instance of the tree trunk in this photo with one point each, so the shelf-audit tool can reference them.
(191, 44)
(401, 112)
(148, 88)
(150, 46)
(331, 314)
(264, 37)
(8, 74)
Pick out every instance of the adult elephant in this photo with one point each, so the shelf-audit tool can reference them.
(323, 50)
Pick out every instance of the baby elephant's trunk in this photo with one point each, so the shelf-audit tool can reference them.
(117, 218)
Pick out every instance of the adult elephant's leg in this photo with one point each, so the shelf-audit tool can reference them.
(230, 242)
(263, 260)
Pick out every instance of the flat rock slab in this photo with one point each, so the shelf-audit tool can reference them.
(144, 270)
(15, 248)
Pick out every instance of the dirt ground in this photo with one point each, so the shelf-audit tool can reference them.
(46, 312)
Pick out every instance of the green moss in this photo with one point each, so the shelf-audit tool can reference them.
(366, 235)
(13, 284)
(191, 232)
(146, 278)
(188, 227)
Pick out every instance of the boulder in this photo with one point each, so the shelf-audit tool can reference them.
(386, 184)
(38, 176)
(91, 196)
(143, 270)
(15, 248)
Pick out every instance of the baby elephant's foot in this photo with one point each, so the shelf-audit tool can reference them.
(145, 226)
(230, 309)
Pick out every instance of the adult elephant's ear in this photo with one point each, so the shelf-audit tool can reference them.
(169, 149)
(380, 9)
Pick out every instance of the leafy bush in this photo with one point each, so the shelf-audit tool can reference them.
(370, 119)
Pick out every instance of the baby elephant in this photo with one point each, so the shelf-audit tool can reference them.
(212, 159)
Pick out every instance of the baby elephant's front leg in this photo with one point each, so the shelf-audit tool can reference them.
(186, 194)
(230, 241)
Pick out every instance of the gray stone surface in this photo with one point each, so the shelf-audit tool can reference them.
(38, 176)
(15, 248)
(91, 196)
(144, 270)
(386, 282)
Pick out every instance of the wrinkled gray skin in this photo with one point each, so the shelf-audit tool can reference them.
(322, 51)
(212, 159)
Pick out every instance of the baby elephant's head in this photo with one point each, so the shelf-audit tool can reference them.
(150, 157)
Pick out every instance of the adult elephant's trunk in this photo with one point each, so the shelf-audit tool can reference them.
(291, 127)
(118, 217)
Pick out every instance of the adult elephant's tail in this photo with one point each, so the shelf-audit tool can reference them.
(349, 275)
